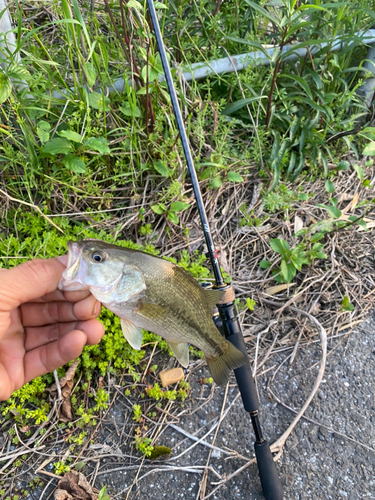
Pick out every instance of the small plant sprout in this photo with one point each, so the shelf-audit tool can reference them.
(346, 305)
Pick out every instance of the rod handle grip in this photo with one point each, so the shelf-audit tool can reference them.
(269, 477)
(244, 376)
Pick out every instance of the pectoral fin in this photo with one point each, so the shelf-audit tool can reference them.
(181, 351)
(132, 333)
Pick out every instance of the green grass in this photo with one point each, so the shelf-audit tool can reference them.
(88, 143)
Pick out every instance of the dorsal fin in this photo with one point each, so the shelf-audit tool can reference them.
(213, 296)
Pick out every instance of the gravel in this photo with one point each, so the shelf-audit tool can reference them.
(330, 457)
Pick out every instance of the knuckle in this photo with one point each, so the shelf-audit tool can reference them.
(54, 332)
(54, 311)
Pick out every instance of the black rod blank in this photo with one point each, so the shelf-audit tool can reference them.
(228, 322)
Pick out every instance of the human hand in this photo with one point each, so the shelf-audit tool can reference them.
(41, 328)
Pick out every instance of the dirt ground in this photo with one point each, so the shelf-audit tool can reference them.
(329, 455)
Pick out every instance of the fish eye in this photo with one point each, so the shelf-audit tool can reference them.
(98, 256)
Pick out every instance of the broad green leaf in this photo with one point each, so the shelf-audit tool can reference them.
(264, 264)
(172, 217)
(99, 144)
(369, 149)
(98, 101)
(75, 164)
(330, 187)
(70, 135)
(162, 168)
(159, 208)
(333, 211)
(5, 87)
(318, 246)
(143, 90)
(280, 246)
(57, 146)
(18, 73)
(43, 135)
(131, 111)
(159, 5)
(353, 218)
(43, 125)
(134, 4)
(321, 255)
(278, 277)
(303, 196)
(316, 237)
(234, 177)
(42, 130)
(297, 261)
(152, 74)
(288, 271)
(216, 182)
(90, 73)
(359, 170)
(342, 165)
(178, 206)
(301, 232)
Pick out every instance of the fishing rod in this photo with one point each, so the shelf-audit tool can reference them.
(226, 320)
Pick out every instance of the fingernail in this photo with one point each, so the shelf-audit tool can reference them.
(63, 259)
(97, 308)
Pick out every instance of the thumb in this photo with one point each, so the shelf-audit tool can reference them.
(29, 281)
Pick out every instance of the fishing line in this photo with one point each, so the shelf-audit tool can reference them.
(226, 319)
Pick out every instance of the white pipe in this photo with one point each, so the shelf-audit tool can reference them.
(7, 38)
(197, 71)
(367, 89)
(258, 58)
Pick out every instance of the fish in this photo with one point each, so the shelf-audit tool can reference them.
(153, 294)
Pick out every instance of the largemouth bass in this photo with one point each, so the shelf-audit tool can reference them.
(150, 293)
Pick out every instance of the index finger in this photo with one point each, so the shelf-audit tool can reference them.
(29, 281)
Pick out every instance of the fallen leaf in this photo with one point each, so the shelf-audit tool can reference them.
(66, 384)
(298, 224)
(74, 486)
(272, 290)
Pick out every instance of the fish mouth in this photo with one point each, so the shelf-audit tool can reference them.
(72, 277)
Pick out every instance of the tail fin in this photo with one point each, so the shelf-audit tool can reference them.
(221, 366)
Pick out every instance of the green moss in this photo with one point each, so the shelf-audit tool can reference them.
(37, 238)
